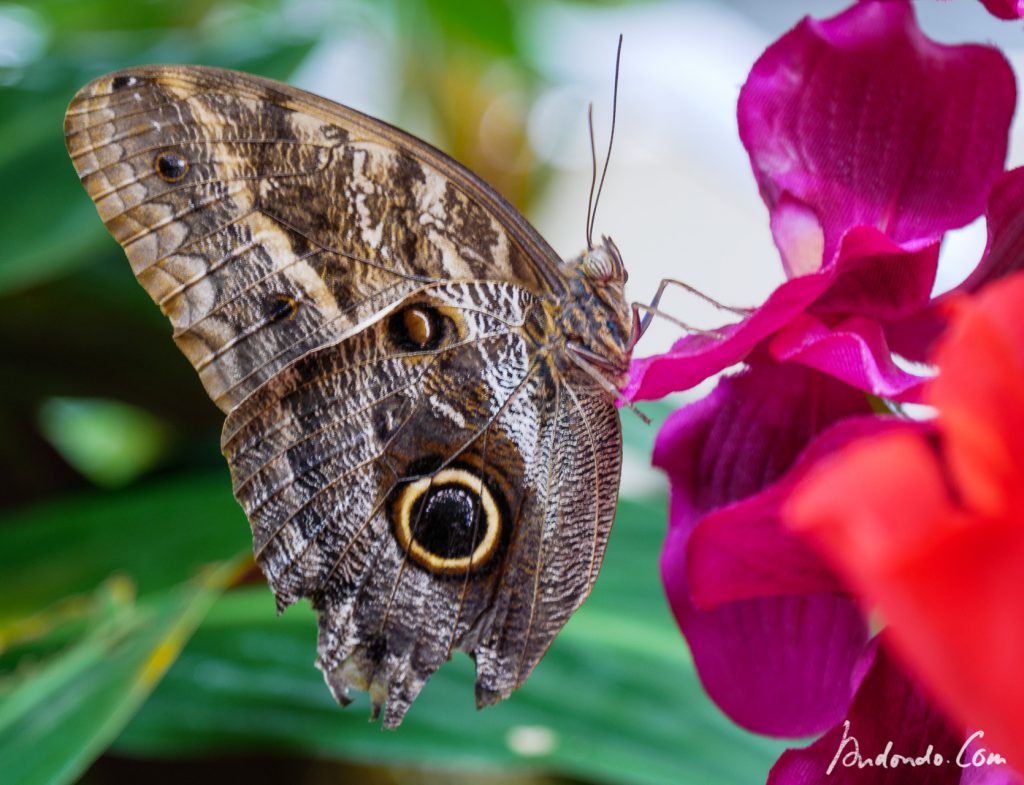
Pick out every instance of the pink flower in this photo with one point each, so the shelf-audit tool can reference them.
(865, 157)
(856, 131)
(1005, 9)
(773, 640)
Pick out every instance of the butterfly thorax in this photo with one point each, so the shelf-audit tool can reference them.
(594, 320)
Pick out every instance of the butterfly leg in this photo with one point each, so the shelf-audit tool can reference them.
(640, 324)
(585, 361)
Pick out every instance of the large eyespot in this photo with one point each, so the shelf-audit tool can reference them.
(449, 523)
(171, 167)
(417, 328)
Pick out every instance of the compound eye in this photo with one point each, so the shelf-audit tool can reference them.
(597, 265)
(604, 264)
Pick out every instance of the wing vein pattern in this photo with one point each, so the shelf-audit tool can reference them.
(411, 451)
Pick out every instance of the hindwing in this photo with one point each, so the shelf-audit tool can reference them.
(456, 494)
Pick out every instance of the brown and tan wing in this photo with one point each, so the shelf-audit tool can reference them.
(266, 221)
(431, 484)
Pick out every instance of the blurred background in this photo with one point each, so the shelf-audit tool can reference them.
(135, 642)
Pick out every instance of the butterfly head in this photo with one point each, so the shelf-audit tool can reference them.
(596, 319)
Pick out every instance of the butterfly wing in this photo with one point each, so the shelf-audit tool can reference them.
(369, 313)
(266, 221)
(452, 494)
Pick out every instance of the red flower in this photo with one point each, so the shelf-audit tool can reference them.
(930, 530)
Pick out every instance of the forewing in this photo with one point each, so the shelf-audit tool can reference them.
(267, 222)
(324, 455)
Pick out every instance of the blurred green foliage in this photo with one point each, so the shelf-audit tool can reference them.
(103, 589)
(108, 442)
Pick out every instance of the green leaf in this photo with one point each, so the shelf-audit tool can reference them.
(615, 700)
(109, 442)
(490, 25)
(57, 715)
(158, 536)
(79, 660)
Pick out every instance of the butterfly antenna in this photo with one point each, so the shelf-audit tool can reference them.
(593, 173)
(611, 138)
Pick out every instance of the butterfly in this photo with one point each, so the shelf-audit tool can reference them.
(420, 395)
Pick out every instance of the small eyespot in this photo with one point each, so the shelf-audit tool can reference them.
(281, 307)
(417, 328)
(171, 167)
(333, 133)
(123, 81)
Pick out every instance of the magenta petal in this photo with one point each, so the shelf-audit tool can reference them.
(744, 550)
(875, 277)
(780, 666)
(746, 434)
(987, 774)
(861, 118)
(697, 357)
(888, 713)
(777, 665)
(991, 775)
(912, 336)
(798, 236)
(854, 351)
(1004, 253)
(1005, 9)
(871, 276)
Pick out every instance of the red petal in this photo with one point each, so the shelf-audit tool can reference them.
(980, 397)
(950, 585)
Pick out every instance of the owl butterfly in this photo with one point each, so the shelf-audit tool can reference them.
(420, 395)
